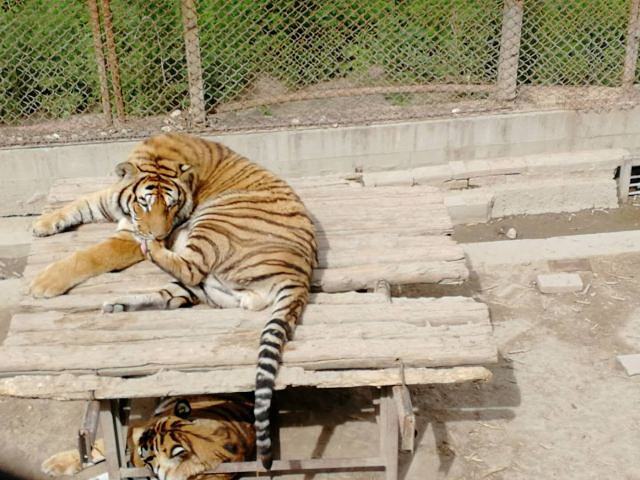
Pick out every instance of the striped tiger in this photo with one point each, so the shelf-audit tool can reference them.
(230, 232)
(184, 438)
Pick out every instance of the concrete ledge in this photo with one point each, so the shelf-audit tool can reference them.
(432, 144)
(513, 252)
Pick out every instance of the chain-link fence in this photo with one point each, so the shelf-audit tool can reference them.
(74, 70)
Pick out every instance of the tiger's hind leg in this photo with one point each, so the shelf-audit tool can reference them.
(171, 297)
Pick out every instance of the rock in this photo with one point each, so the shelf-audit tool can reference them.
(559, 282)
(175, 113)
(630, 363)
(166, 128)
(512, 233)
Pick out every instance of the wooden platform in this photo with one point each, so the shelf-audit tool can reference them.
(64, 348)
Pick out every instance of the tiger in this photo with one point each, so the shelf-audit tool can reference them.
(230, 232)
(185, 437)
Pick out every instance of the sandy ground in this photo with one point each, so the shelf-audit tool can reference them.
(559, 406)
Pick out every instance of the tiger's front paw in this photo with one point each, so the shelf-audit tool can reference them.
(48, 224)
(50, 282)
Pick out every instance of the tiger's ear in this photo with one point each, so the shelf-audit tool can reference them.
(187, 175)
(182, 409)
(126, 169)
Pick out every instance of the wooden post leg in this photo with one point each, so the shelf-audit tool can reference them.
(111, 440)
(406, 417)
(389, 433)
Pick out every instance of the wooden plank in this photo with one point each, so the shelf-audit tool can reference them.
(284, 466)
(406, 417)
(331, 280)
(388, 426)
(186, 332)
(365, 276)
(367, 345)
(344, 251)
(171, 382)
(321, 187)
(418, 311)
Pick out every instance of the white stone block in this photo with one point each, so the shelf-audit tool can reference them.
(469, 206)
(630, 363)
(559, 282)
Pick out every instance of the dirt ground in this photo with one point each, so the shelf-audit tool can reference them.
(559, 405)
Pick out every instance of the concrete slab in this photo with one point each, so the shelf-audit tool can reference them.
(15, 231)
(559, 282)
(630, 363)
(469, 206)
(511, 252)
(300, 152)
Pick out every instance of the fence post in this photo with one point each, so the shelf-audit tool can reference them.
(509, 49)
(631, 51)
(112, 60)
(194, 63)
(102, 69)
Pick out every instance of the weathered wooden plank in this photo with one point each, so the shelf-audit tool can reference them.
(187, 332)
(353, 250)
(346, 346)
(78, 186)
(365, 276)
(330, 280)
(406, 417)
(418, 311)
(170, 382)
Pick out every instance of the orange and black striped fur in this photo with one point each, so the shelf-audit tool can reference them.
(230, 232)
(184, 438)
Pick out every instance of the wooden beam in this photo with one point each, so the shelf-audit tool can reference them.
(282, 466)
(172, 382)
(406, 417)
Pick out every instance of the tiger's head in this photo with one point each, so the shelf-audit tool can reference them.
(178, 447)
(156, 199)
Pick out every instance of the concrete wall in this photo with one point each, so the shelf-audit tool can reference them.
(28, 172)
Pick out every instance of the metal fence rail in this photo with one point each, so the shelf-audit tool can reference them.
(74, 70)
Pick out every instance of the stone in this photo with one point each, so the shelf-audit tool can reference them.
(559, 282)
(630, 363)
(469, 206)
(512, 233)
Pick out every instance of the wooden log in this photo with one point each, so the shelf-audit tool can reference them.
(365, 276)
(331, 280)
(353, 250)
(419, 311)
(369, 345)
(171, 382)
(248, 329)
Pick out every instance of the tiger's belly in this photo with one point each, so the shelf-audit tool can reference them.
(219, 291)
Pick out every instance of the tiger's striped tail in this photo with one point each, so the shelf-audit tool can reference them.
(287, 309)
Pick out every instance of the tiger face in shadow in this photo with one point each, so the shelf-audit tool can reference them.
(185, 438)
(197, 436)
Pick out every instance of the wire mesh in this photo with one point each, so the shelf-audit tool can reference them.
(574, 48)
(255, 50)
(47, 64)
(235, 64)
